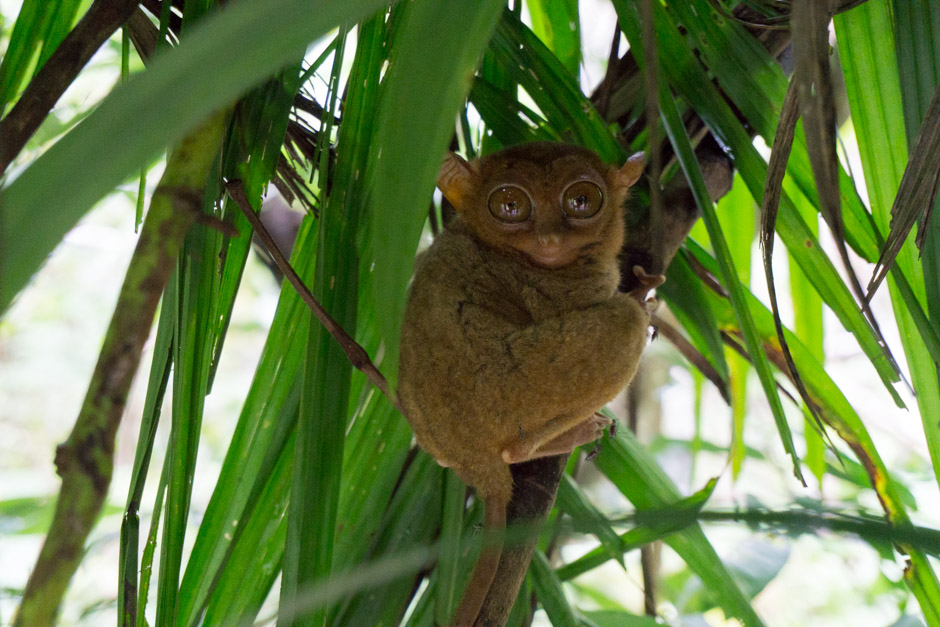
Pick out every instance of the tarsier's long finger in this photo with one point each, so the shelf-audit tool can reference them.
(647, 281)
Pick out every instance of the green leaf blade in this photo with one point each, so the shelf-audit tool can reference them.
(433, 74)
(680, 142)
(634, 471)
(114, 140)
(874, 93)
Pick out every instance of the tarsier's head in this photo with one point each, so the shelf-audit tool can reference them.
(553, 203)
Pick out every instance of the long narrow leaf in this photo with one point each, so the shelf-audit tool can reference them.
(40, 27)
(586, 517)
(270, 406)
(558, 25)
(552, 88)
(686, 298)
(378, 439)
(429, 70)
(192, 352)
(113, 141)
(156, 388)
(635, 472)
(411, 520)
(447, 590)
(810, 27)
(783, 141)
(318, 451)
(680, 143)
(916, 194)
(501, 111)
(251, 157)
(150, 548)
(257, 551)
(656, 525)
(548, 589)
(918, 49)
(736, 216)
(873, 88)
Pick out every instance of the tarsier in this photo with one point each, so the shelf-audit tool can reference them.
(514, 332)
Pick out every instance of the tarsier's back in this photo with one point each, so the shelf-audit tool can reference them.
(514, 334)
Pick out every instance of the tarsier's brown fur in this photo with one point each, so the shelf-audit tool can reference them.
(514, 333)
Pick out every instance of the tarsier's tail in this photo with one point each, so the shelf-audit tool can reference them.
(494, 525)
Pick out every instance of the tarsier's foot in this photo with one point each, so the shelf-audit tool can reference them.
(588, 431)
(612, 430)
(647, 282)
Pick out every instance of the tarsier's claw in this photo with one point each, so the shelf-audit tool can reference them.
(594, 452)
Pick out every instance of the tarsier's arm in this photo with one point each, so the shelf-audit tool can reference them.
(563, 364)
(558, 371)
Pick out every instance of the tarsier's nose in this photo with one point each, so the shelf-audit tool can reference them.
(549, 241)
(548, 250)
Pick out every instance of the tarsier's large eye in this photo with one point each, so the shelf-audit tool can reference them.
(582, 200)
(510, 204)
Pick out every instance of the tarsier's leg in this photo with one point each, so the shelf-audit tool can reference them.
(556, 437)
(585, 432)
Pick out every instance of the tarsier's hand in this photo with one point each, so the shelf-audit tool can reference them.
(647, 282)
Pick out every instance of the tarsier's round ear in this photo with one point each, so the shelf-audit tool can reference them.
(632, 169)
(455, 179)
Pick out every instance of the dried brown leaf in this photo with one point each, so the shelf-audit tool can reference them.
(916, 194)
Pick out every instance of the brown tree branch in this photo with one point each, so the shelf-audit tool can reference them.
(96, 26)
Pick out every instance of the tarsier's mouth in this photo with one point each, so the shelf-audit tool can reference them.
(553, 256)
(551, 259)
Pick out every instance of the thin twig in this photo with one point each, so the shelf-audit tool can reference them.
(691, 353)
(357, 355)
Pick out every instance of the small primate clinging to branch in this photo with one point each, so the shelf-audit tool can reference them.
(515, 333)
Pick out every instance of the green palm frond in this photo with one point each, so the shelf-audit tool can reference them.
(322, 511)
